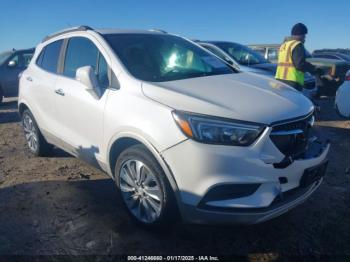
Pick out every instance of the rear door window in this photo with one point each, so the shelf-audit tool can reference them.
(48, 59)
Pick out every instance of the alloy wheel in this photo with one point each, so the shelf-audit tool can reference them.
(30, 132)
(141, 191)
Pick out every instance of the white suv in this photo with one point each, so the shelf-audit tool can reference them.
(178, 130)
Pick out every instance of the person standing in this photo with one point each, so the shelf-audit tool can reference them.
(292, 63)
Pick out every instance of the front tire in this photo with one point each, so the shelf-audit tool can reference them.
(36, 143)
(144, 188)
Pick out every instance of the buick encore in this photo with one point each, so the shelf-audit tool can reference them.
(180, 132)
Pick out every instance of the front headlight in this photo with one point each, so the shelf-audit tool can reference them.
(212, 130)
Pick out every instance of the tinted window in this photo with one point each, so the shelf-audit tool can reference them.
(16, 60)
(26, 59)
(214, 51)
(102, 72)
(260, 50)
(153, 57)
(272, 54)
(22, 59)
(48, 59)
(242, 54)
(39, 60)
(80, 52)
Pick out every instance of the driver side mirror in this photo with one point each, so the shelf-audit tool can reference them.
(87, 77)
(12, 64)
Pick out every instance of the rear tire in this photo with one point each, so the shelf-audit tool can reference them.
(35, 141)
(144, 188)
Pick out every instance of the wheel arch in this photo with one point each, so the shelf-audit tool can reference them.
(124, 141)
(22, 107)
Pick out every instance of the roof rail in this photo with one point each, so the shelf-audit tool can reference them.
(158, 30)
(68, 30)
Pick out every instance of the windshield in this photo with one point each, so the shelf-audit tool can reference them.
(158, 58)
(4, 56)
(242, 54)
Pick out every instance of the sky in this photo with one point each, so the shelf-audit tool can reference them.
(24, 23)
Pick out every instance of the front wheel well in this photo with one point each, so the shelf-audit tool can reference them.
(21, 108)
(118, 147)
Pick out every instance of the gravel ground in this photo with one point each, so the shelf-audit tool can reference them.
(60, 205)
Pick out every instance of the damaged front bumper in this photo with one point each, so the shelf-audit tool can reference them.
(221, 184)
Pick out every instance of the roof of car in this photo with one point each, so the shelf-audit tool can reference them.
(217, 42)
(332, 50)
(342, 55)
(127, 31)
(103, 31)
(13, 50)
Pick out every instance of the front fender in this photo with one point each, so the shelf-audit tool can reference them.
(152, 148)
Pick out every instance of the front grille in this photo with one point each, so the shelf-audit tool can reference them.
(292, 138)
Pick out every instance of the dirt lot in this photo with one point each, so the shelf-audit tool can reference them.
(60, 205)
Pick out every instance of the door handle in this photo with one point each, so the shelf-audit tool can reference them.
(59, 92)
(29, 79)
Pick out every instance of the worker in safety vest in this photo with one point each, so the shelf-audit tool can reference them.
(292, 65)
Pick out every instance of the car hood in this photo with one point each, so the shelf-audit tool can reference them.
(241, 96)
(266, 67)
(256, 70)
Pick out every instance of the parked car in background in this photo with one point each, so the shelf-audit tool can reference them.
(174, 126)
(12, 63)
(332, 55)
(270, 52)
(249, 60)
(342, 98)
(345, 51)
(335, 69)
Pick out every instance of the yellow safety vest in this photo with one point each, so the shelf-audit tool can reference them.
(285, 68)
